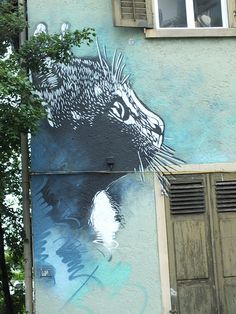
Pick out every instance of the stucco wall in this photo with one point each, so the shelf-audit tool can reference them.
(88, 278)
(190, 84)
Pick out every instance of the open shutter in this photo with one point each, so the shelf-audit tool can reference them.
(232, 13)
(133, 13)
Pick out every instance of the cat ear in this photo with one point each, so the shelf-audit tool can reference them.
(65, 27)
(41, 28)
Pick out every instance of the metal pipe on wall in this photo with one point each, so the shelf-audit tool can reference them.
(27, 225)
(26, 203)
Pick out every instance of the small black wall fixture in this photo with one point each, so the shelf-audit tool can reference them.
(110, 162)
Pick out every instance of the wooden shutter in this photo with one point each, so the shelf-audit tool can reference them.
(225, 191)
(189, 241)
(223, 188)
(201, 227)
(187, 196)
(232, 13)
(133, 13)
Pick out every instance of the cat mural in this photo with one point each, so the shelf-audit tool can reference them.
(96, 125)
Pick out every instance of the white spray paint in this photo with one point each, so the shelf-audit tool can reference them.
(103, 220)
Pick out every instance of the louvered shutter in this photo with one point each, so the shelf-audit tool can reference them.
(201, 227)
(223, 187)
(225, 195)
(190, 255)
(186, 195)
(133, 13)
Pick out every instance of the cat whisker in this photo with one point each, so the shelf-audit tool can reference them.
(105, 52)
(118, 64)
(159, 166)
(116, 69)
(155, 167)
(163, 181)
(166, 162)
(120, 71)
(172, 159)
(170, 153)
(113, 64)
(167, 148)
(101, 59)
(141, 167)
(125, 78)
(162, 164)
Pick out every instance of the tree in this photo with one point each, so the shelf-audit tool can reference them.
(20, 112)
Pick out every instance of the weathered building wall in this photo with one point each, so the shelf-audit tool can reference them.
(189, 83)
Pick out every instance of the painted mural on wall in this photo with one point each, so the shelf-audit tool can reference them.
(97, 130)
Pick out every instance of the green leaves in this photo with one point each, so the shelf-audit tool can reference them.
(12, 22)
(34, 52)
(21, 109)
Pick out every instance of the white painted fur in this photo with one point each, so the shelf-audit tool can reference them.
(103, 220)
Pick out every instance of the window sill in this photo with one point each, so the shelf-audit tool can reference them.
(180, 32)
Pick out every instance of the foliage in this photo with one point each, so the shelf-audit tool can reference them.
(20, 112)
(57, 47)
(12, 22)
(16, 284)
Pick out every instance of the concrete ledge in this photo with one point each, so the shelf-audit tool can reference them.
(204, 168)
(187, 32)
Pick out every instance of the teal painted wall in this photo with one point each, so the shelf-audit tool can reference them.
(122, 280)
(190, 83)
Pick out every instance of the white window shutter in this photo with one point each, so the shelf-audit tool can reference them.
(133, 13)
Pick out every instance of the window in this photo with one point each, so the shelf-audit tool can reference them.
(177, 18)
(192, 13)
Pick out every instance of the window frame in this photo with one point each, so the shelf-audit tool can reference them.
(228, 18)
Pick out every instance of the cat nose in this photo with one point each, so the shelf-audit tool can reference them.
(155, 123)
(157, 129)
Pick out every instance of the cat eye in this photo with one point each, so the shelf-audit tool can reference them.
(120, 111)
